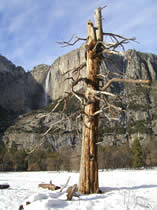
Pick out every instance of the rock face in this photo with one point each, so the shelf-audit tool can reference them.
(62, 68)
(27, 132)
(141, 101)
(20, 91)
(12, 87)
(41, 76)
(23, 91)
(139, 118)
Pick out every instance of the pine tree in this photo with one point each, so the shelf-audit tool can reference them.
(137, 154)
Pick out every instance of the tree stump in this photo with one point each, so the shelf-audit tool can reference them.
(71, 191)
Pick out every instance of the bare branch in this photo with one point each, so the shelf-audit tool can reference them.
(59, 121)
(110, 118)
(108, 74)
(59, 102)
(84, 79)
(103, 7)
(81, 66)
(74, 39)
(119, 36)
(100, 92)
(68, 78)
(100, 111)
(125, 81)
(77, 95)
(55, 107)
(112, 52)
(116, 107)
(109, 48)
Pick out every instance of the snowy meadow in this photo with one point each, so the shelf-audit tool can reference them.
(122, 190)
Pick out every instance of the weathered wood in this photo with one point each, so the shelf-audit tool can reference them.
(91, 32)
(98, 24)
(88, 182)
(125, 81)
(49, 186)
(65, 184)
(71, 191)
(4, 186)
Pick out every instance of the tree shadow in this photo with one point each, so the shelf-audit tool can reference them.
(109, 189)
(57, 204)
(55, 200)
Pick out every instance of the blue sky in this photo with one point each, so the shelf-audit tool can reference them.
(29, 29)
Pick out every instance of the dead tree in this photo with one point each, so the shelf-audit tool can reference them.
(94, 94)
(88, 182)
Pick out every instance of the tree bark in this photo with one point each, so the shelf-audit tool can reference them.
(88, 182)
(98, 24)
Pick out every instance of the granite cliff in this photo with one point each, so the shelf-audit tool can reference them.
(21, 92)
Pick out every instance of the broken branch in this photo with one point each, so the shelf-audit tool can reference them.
(65, 184)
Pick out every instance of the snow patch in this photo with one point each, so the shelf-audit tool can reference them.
(123, 189)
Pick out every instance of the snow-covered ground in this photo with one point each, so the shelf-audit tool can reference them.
(123, 190)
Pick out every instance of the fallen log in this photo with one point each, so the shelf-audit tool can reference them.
(4, 186)
(49, 186)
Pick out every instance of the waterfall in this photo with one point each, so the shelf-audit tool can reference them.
(46, 97)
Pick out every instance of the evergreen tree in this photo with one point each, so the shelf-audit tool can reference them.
(137, 154)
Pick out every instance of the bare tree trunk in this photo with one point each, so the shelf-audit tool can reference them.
(88, 182)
